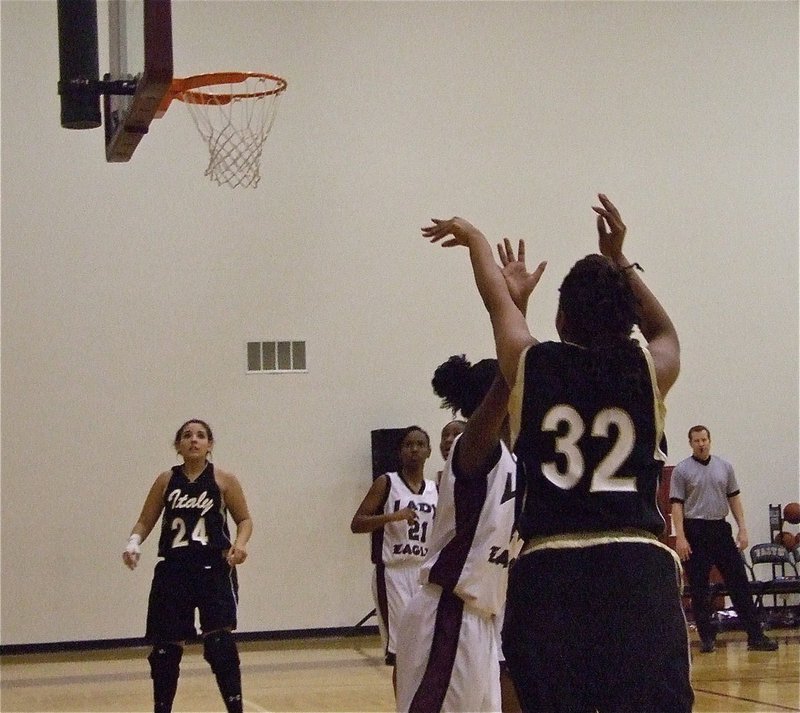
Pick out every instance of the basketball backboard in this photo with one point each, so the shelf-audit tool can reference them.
(140, 49)
(232, 111)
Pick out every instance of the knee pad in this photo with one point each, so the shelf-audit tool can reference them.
(165, 660)
(219, 649)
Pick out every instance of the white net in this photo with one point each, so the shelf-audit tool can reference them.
(234, 121)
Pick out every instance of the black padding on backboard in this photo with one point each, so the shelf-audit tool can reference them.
(78, 60)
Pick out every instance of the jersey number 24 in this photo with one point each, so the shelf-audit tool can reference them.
(198, 533)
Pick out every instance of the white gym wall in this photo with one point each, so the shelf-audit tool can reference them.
(129, 291)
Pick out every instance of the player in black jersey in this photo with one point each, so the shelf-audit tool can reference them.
(198, 566)
(593, 617)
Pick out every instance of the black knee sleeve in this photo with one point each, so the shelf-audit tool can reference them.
(219, 649)
(165, 661)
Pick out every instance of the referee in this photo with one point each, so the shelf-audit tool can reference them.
(702, 490)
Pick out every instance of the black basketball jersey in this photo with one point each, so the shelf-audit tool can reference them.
(195, 519)
(588, 457)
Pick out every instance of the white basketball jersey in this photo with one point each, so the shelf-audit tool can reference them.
(470, 548)
(402, 541)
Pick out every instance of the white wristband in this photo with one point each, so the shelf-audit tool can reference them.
(133, 545)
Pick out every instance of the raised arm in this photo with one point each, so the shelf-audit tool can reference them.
(654, 322)
(511, 333)
(484, 428)
(482, 432)
(519, 281)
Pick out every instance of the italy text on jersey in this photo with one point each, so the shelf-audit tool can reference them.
(178, 501)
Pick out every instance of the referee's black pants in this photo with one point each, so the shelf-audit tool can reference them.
(712, 543)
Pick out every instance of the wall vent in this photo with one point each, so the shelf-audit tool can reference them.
(278, 357)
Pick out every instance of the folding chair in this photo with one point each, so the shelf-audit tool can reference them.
(775, 519)
(784, 574)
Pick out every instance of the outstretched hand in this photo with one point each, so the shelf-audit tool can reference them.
(520, 282)
(610, 228)
(460, 230)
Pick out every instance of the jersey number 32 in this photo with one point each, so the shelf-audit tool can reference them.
(604, 476)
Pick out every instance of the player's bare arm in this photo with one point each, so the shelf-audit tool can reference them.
(655, 323)
(519, 281)
(510, 329)
(369, 517)
(482, 433)
(151, 511)
(235, 501)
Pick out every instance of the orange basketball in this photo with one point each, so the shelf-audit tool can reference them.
(784, 538)
(791, 513)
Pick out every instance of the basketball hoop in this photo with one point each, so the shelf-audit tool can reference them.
(234, 122)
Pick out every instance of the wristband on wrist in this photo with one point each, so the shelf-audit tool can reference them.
(133, 544)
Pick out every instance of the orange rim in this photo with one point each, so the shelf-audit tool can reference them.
(183, 89)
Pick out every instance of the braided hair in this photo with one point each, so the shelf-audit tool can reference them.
(599, 311)
(462, 385)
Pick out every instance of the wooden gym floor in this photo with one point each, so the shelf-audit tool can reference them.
(346, 674)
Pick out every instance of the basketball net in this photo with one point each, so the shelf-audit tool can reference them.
(234, 114)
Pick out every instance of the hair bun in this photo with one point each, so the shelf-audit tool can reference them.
(448, 381)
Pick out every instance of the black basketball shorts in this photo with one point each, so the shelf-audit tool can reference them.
(180, 587)
(598, 628)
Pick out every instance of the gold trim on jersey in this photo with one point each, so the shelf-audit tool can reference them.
(659, 407)
(574, 540)
(515, 399)
(587, 539)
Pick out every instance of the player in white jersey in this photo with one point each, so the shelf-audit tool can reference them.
(448, 654)
(398, 511)
(450, 432)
